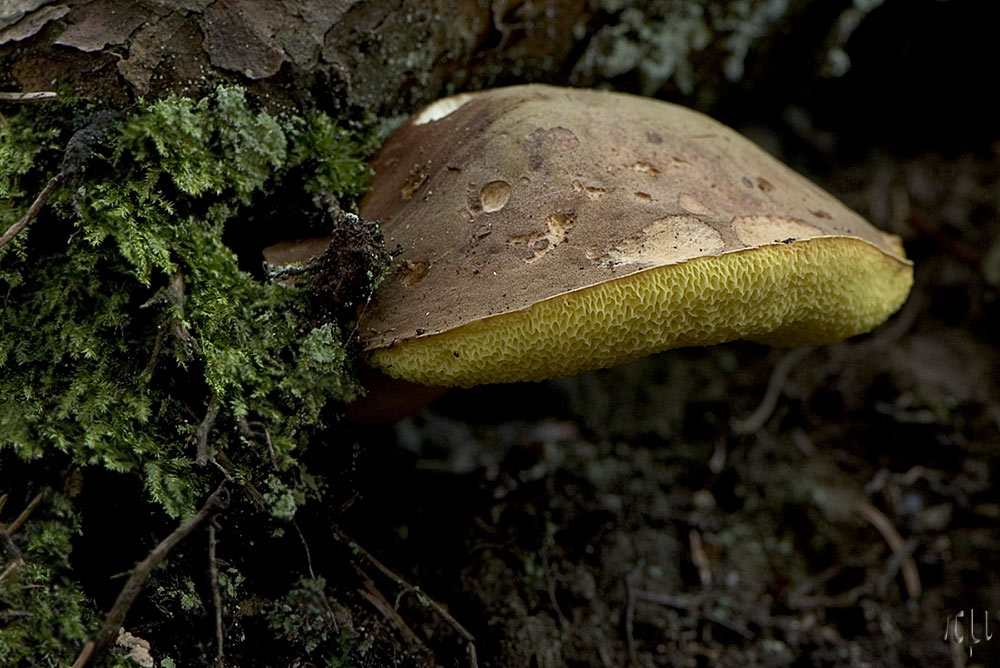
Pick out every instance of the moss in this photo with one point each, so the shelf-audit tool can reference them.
(138, 331)
(302, 614)
(44, 615)
(126, 313)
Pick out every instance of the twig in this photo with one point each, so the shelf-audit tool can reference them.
(375, 597)
(11, 567)
(698, 605)
(78, 150)
(630, 611)
(305, 546)
(85, 654)
(201, 434)
(35, 207)
(34, 96)
(157, 346)
(5, 535)
(248, 428)
(109, 631)
(225, 465)
(403, 584)
(9, 545)
(213, 571)
(25, 514)
(775, 386)
(700, 559)
(550, 581)
(911, 577)
(3, 501)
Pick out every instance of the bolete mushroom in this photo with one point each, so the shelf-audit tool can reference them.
(546, 231)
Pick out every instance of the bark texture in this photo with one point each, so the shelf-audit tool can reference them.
(387, 57)
(379, 56)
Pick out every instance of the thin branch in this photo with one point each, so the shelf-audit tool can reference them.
(213, 570)
(11, 567)
(9, 545)
(630, 590)
(75, 156)
(33, 210)
(223, 463)
(700, 559)
(25, 514)
(378, 601)
(403, 584)
(5, 535)
(250, 430)
(201, 434)
(85, 654)
(305, 546)
(698, 605)
(775, 386)
(911, 577)
(116, 617)
(157, 346)
(35, 96)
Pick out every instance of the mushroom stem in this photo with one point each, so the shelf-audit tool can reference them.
(388, 400)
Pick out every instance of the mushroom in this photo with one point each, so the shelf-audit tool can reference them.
(546, 231)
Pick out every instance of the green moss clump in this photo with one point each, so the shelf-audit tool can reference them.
(305, 616)
(126, 314)
(139, 331)
(44, 616)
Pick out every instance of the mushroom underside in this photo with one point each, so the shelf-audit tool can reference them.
(807, 293)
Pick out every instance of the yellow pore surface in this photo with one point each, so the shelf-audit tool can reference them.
(798, 294)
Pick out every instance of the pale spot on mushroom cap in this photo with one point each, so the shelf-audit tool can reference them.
(644, 168)
(760, 230)
(552, 140)
(435, 111)
(593, 192)
(666, 241)
(415, 270)
(494, 195)
(415, 179)
(694, 205)
(555, 139)
(557, 225)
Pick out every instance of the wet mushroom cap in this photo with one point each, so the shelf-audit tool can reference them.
(546, 231)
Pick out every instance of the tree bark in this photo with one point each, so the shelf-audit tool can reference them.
(388, 57)
(370, 55)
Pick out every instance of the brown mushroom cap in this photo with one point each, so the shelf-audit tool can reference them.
(546, 231)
